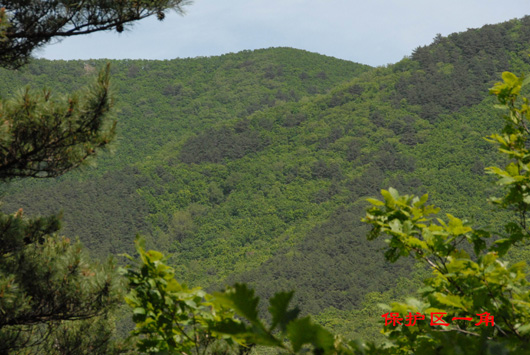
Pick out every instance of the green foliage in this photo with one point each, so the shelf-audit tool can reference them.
(44, 138)
(468, 277)
(218, 196)
(170, 318)
(465, 284)
(453, 70)
(215, 146)
(53, 298)
(302, 140)
(47, 282)
(48, 285)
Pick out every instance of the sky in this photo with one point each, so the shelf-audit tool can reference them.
(374, 32)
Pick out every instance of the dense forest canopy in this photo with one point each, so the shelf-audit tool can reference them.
(255, 166)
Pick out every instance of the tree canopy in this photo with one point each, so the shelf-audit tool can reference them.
(485, 299)
(53, 297)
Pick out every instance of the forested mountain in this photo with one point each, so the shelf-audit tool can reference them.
(161, 104)
(255, 166)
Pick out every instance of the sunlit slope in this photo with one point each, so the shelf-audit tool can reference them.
(159, 104)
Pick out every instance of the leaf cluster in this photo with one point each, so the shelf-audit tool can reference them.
(170, 318)
(463, 283)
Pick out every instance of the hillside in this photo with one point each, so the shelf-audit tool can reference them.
(255, 166)
(159, 105)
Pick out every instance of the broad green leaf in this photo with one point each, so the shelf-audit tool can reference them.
(154, 255)
(302, 331)
(375, 202)
(394, 193)
(389, 199)
(512, 169)
(502, 246)
(422, 200)
(395, 225)
(509, 78)
(173, 286)
(506, 181)
(278, 309)
(231, 327)
(450, 300)
(242, 300)
(456, 226)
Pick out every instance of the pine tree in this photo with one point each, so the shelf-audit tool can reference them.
(53, 298)
(47, 281)
(33, 23)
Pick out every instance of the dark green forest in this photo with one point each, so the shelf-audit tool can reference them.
(255, 166)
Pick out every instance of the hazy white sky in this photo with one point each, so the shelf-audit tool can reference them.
(374, 32)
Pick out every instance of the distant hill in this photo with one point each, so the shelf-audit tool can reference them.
(160, 104)
(255, 166)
